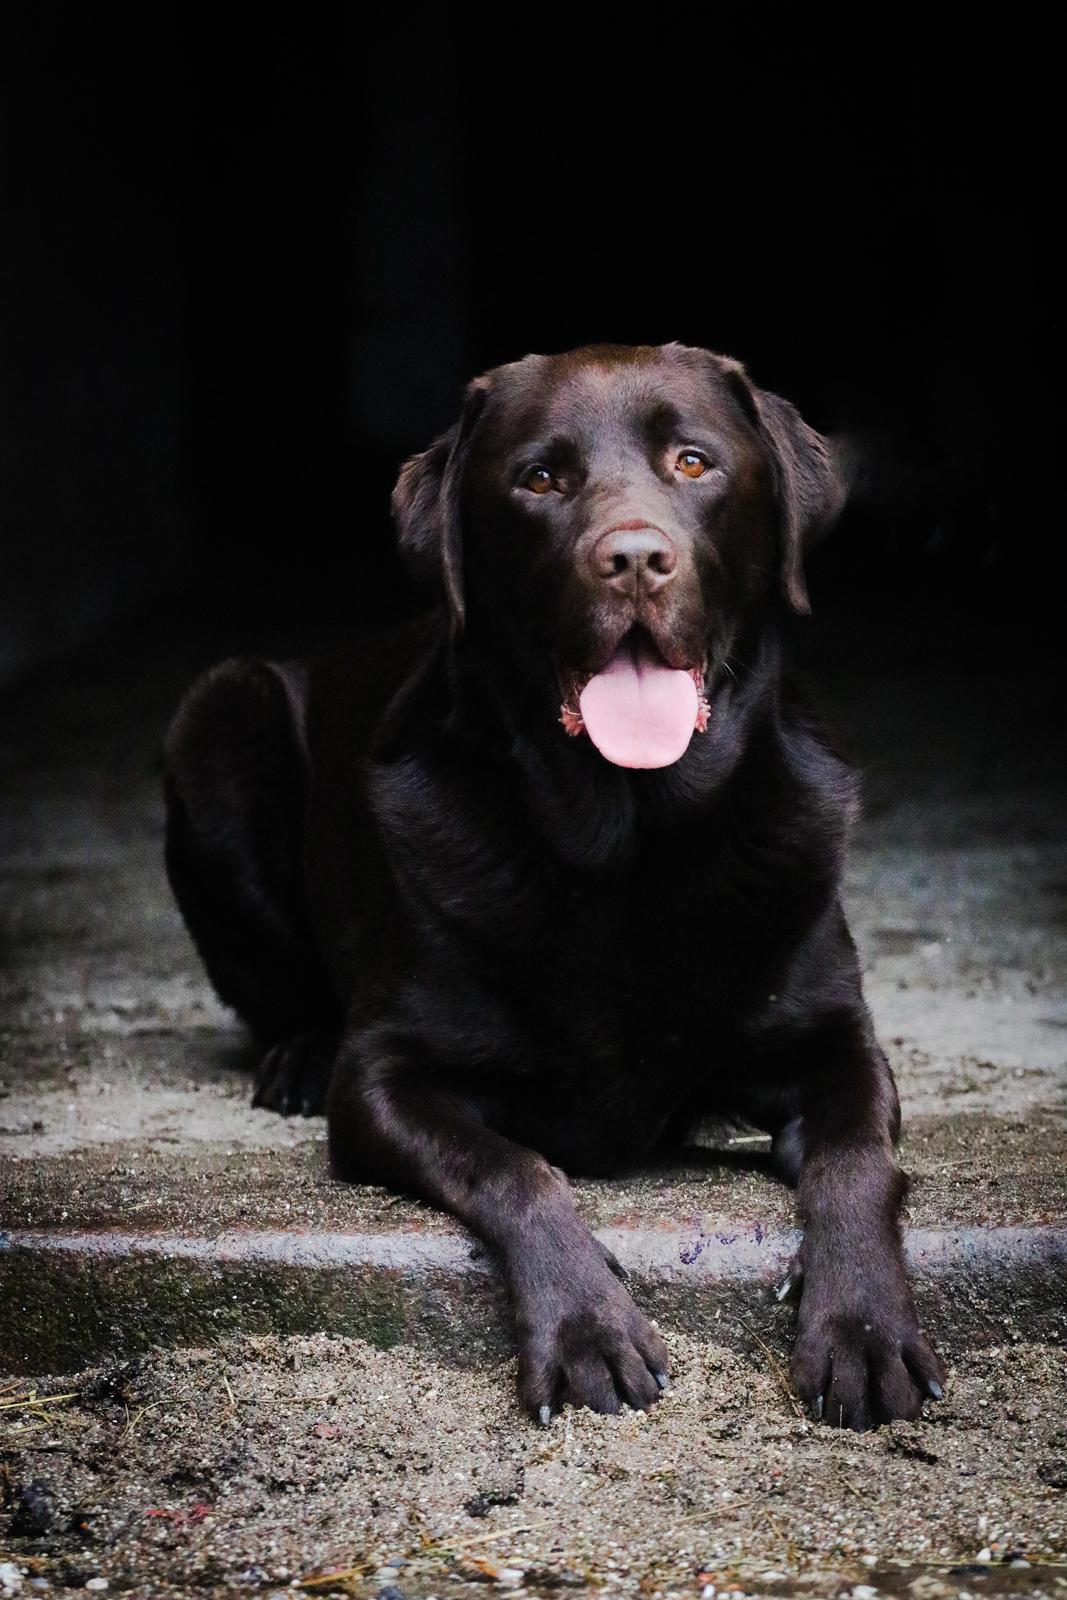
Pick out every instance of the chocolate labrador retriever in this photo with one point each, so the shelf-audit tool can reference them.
(537, 882)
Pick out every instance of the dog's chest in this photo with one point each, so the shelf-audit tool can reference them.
(514, 953)
(589, 964)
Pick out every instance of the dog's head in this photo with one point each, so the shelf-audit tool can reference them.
(616, 519)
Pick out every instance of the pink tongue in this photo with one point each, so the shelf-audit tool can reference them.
(639, 712)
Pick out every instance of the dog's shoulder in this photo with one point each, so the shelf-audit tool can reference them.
(813, 757)
(358, 697)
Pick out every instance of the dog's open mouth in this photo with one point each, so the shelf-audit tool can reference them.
(638, 710)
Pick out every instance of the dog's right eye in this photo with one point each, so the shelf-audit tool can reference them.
(538, 480)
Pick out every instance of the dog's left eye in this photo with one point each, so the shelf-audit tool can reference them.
(693, 464)
(538, 480)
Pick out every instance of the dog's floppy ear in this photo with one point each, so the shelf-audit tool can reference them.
(426, 508)
(811, 489)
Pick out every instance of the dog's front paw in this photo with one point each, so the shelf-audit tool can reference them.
(865, 1365)
(585, 1342)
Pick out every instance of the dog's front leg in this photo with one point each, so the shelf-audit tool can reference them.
(580, 1336)
(860, 1356)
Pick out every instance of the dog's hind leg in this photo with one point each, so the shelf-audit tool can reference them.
(236, 788)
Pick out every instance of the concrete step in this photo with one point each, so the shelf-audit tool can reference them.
(120, 1246)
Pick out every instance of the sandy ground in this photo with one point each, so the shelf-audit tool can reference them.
(242, 1468)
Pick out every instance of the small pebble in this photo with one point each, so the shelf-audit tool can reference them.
(1020, 1561)
(511, 1575)
(96, 1583)
(771, 1577)
(984, 1555)
(863, 1591)
(10, 1578)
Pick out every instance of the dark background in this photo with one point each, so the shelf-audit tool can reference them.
(249, 265)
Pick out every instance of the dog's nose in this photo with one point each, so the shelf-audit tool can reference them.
(634, 560)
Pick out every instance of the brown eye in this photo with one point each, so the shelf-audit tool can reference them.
(538, 480)
(693, 465)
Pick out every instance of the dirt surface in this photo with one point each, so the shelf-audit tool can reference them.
(967, 1170)
(240, 1468)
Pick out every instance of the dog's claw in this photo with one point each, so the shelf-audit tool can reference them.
(544, 1416)
(662, 1379)
(790, 1284)
(613, 1263)
(935, 1389)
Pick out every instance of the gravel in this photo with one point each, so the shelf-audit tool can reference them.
(260, 1462)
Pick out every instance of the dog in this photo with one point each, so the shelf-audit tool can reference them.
(541, 879)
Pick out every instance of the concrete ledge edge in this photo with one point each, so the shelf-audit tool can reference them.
(679, 1251)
